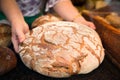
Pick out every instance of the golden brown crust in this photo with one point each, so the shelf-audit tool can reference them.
(114, 20)
(7, 60)
(5, 35)
(61, 49)
(44, 19)
(4, 28)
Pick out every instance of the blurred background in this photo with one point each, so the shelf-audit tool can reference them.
(93, 4)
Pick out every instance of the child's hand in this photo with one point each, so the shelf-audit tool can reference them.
(18, 34)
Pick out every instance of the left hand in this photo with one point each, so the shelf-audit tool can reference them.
(81, 20)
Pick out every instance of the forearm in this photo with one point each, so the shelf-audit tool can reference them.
(66, 10)
(11, 10)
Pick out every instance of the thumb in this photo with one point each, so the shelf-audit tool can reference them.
(15, 42)
(20, 36)
(16, 39)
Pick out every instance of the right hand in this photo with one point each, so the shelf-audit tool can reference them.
(18, 34)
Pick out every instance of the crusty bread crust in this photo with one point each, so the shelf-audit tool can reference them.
(8, 60)
(109, 34)
(5, 35)
(61, 49)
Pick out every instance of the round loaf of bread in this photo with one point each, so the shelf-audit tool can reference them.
(5, 35)
(8, 60)
(44, 19)
(61, 49)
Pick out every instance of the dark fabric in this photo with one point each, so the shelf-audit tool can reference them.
(2, 16)
(28, 20)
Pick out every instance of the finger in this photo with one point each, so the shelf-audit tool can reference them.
(92, 25)
(21, 36)
(89, 24)
(15, 43)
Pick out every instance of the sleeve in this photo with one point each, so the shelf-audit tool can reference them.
(51, 3)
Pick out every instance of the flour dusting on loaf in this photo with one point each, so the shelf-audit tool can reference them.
(61, 49)
(45, 19)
